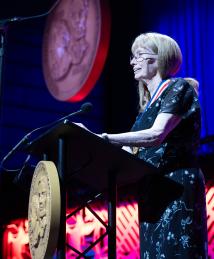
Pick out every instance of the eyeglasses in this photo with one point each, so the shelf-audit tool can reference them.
(140, 57)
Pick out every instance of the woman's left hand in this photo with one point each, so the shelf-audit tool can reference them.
(81, 125)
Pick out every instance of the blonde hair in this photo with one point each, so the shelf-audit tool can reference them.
(194, 83)
(169, 58)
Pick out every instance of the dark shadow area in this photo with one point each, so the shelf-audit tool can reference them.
(22, 8)
(120, 86)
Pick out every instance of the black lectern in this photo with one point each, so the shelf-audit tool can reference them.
(81, 155)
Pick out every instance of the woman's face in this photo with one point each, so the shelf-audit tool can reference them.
(145, 64)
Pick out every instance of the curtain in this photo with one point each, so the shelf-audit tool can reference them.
(191, 24)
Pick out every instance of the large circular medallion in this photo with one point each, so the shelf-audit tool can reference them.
(75, 46)
(44, 210)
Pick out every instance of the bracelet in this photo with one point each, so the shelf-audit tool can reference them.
(105, 136)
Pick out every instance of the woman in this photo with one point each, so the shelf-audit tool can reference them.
(166, 134)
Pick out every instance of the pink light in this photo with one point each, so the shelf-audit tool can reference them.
(84, 228)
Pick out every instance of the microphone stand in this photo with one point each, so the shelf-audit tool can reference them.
(2, 44)
(3, 27)
(85, 108)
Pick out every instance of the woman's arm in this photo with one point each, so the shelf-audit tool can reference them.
(154, 136)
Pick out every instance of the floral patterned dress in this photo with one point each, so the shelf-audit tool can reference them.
(181, 230)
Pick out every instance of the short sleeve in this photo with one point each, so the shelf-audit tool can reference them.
(179, 99)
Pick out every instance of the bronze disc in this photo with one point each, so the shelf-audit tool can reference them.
(75, 46)
(44, 211)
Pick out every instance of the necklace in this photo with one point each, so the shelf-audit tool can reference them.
(161, 87)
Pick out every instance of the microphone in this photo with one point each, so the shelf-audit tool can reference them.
(85, 108)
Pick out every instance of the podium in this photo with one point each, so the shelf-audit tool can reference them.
(81, 155)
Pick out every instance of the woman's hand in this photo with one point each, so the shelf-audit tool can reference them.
(84, 127)
(103, 135)
(81, 125)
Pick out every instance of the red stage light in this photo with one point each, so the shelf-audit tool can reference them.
(83, 228)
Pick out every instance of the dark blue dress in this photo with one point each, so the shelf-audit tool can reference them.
(181, 229)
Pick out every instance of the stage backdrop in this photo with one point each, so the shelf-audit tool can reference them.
(191, 24)
(83, 229)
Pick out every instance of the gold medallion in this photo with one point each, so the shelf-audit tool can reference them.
(44, 211)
